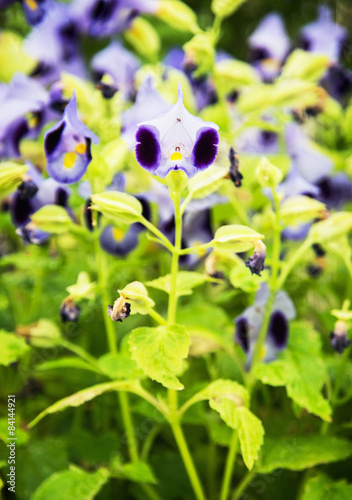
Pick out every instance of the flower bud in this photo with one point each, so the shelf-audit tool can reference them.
(224, 8)
(200, 52)
(267, 174)
(338, 337)
(235, 238)
(256, 261)
(43, 334)
(143, 37)
(69, 311)
(136, 294)
(120, 310)
(178, 15)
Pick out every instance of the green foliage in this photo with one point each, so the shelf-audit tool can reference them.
(302, 452)
(73, 483)
(322, 486)
(160, 352)
(301, 369)
(12, 348)
(186, 281)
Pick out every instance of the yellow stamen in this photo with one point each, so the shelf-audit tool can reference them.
(176, 156)
(31, 4)
(81, 149)
(118, 234)
(69, 160)
(33, 122)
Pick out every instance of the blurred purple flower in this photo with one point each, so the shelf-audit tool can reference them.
(115, 68)
(115, 241)
(269, 45)
(176, 140)
(324, 36)
(68, 146)
(103, 18)
(256, 141)
(248, 325)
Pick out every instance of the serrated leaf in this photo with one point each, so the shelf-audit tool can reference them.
(250, 433)
(160, 352)
(81, 397)
(301, 369)
(12, 348)
(302, 452)
(322, 487)
(73, 483)
(139, 472)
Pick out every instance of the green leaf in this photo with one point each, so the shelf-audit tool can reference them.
(53, 219)
(250, 434)
(119, 366)
(73, 483)
(230, 399)
(305, 66)
(139, 472)
(66, 362)
(160, 352)
(12, 348)
(207, 182)
(224, 8)
(52, 457)
(117, 206)
(302, 452)
(21, 435)
(332, 228)
(301, 369)
(186, 281)
(322, 487)
(300, 209)
(81, 397)
(12, 56)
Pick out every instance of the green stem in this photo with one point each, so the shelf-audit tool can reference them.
(105, 300)
(340, 375)
(187, 459)
(82, 353)
(243, 484)
(171, 319)
(236, 205)
(128, 424)
(157, 233)
(298, 254)
(157, 317)
(230, 463)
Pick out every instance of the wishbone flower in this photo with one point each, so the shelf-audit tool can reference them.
(176, 140)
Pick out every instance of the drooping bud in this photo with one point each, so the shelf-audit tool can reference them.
(234, 173)
(256, 261)
(69, 311)
(120, 310)
(267, 174)
(338, 337)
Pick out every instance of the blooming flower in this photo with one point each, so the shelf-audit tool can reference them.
(324, 36)
(176, 140)
(114, 68)
(269, 45)
(67, 146)
(248, 325)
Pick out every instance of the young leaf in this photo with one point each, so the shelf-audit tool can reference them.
(119, 366)
(160, 351)
(322, 486)
(12, 348)
(73, 483)
(301, 369)
(139, 472)
(250, 434)
(302, 452)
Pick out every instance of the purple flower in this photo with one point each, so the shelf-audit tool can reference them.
(114, 67)
(176, 140)
(335, 191)
(103, 18)
(324, 36)
(149, 104)
(338, 83)
(67, 146)
(256, 141)
(248, 325)
(115, 241)
(311, 163)
(269, 45)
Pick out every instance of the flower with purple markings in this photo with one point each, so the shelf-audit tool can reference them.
(67, 146)
(176, 140)
(248, 325)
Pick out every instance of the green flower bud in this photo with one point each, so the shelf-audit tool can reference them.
(332, 228)
(12, 56)
(136, 294)
(236, 238)
(200, 52)
(300, 209)
(305, 66)
(52, 219)
(267, 174)
(143, 37)
(83, 289)
(178, 15)
(11, 175)
(43, 334)
(224, 8)
(120, 207)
